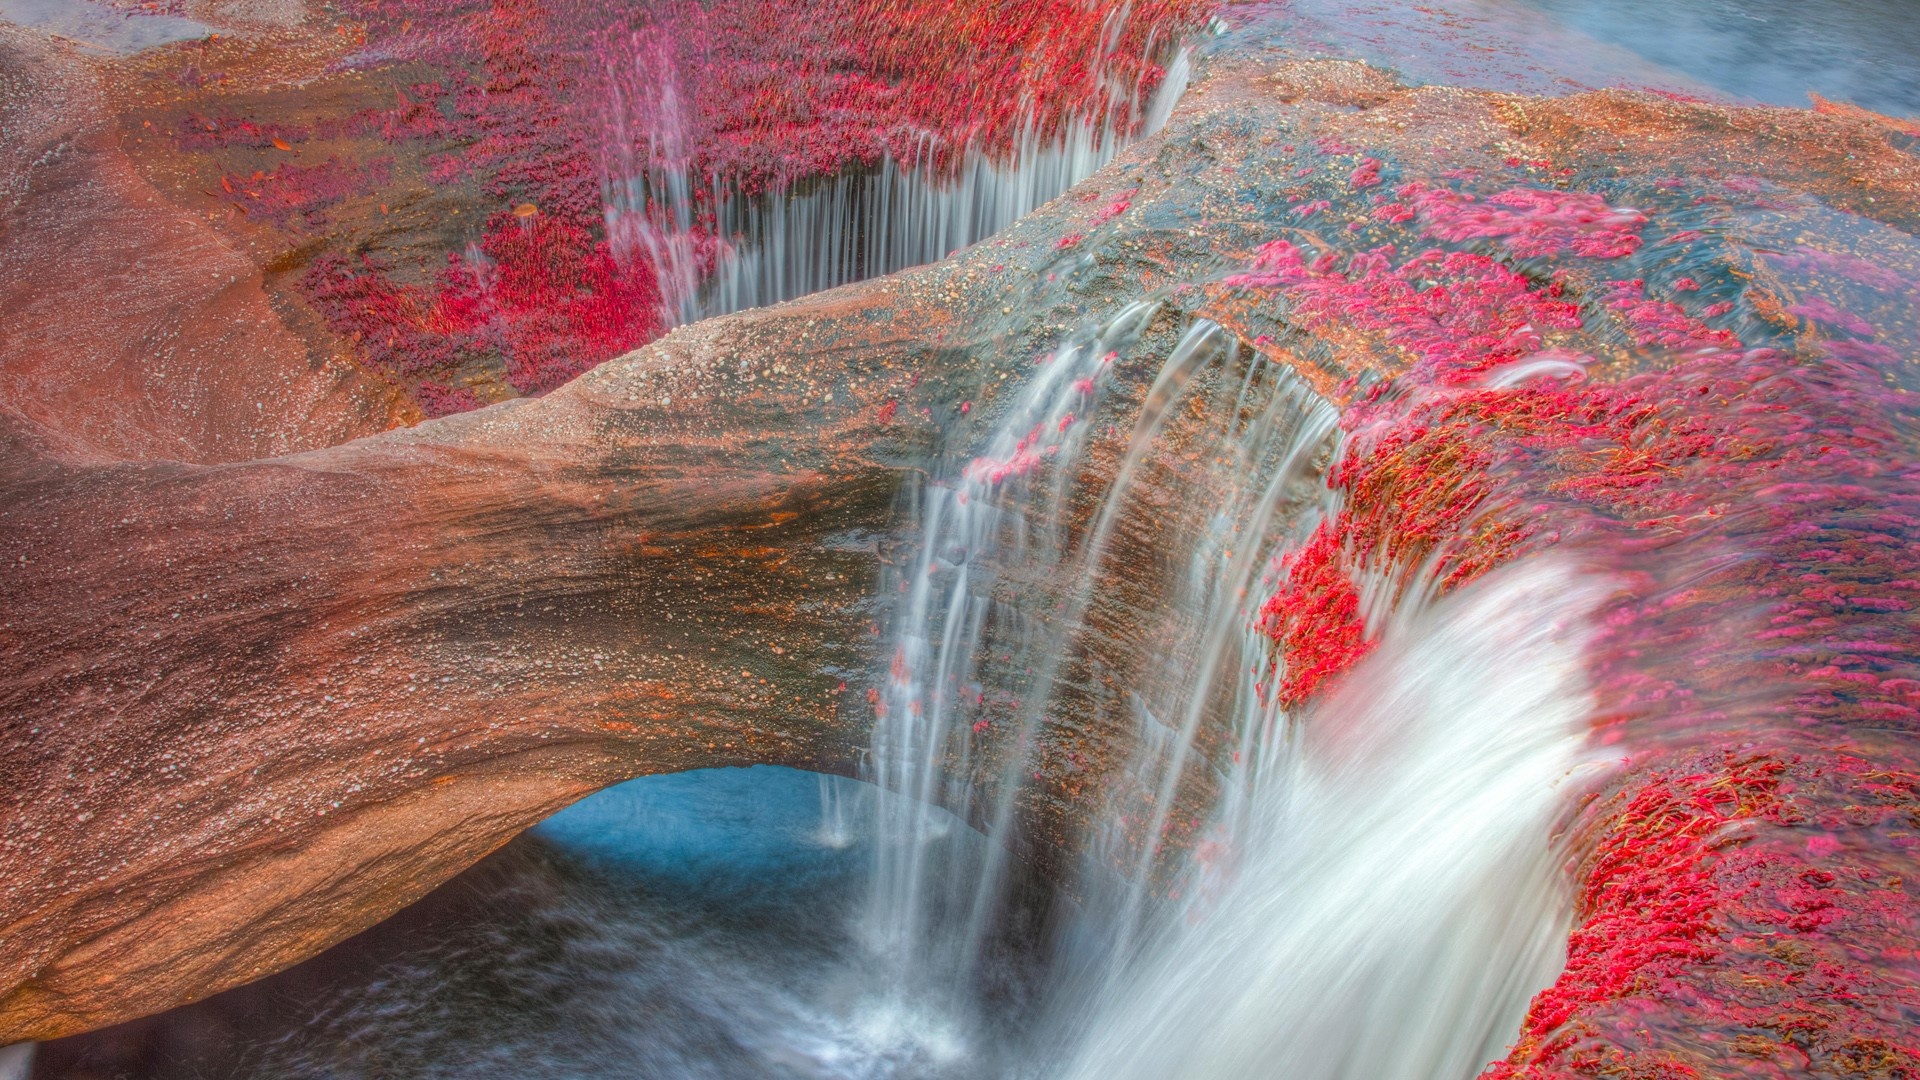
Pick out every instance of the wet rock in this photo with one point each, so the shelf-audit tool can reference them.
(251, 709)
(135, 329)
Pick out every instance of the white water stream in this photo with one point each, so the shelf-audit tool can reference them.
(1393, 901)
(1378, 864)
(840, 229)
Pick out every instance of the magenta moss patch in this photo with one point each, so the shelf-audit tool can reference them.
(1739, 899)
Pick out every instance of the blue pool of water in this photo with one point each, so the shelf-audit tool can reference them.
(1768, 51)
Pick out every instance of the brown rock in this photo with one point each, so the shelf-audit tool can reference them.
(252, 709)
(133, 330)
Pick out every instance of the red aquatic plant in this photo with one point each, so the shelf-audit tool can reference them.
(541, 293)
(300, 194)
(1314, 618)
(1740, 905)
(1529, 222)
(552, 103)
(1664, 324)
(1457, 313)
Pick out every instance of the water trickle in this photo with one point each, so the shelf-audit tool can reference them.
(984, 515)
(839, 814)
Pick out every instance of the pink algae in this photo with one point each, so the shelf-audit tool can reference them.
(1820, 309)
(1664, 324)
(1314, 619)
(780, 91)
(542, 294)
(1740, 905)
(1457, 313)
(1529, 222)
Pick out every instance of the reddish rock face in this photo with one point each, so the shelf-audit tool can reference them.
(251, 709)
(356, 670)
(134, 328)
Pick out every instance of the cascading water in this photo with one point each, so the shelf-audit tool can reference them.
(1261, 893)
(1378, 864)
(714, 251)
(924, 715)
(859, 225)
(1388, 874)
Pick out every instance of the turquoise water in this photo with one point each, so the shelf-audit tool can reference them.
(1767, 51)
(101, 27)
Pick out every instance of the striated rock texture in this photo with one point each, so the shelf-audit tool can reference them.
(252, 708)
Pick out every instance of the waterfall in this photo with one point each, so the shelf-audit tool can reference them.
(864, 224)
(831, 231)
(973, 522)
(1392, 902)
(992, 526)
(648, 195)
(1378, 863)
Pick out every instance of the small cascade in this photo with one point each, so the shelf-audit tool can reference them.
(839, 815)
(864, 224)
(1387, 869)
(1273, 898)
(989, 515)
(715, 251)
(648, 195)
(996, 526)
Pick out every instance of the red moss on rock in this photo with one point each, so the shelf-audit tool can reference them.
(541, 293)
(1741, 904)
(1734, 919)
(439, 400)
(195, 132)
(1648, 896)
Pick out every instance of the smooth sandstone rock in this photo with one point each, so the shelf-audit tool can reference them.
(252, 709)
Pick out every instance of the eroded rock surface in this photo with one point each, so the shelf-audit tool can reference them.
(134, 329)
(253, 708)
